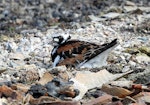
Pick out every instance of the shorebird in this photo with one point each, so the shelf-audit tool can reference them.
(79, 54)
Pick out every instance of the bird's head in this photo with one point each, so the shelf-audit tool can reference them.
(59, 39)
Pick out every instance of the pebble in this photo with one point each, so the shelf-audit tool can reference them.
(129, 3)
(95, 18)
(3, 101)
(125, 69)
(143, 58)
(16, 56)
(11, 46)
(130, 8)
(146, 98)
(111, 15)
(132, 63)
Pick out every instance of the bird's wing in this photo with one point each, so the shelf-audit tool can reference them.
(74, 52)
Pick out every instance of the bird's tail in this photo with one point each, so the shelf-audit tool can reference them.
(112, 44)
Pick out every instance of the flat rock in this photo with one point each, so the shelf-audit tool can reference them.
(2, 69)
(95, 18)
(130, 8)
(3, 101)
(146, 98)
(111, 15)
(129, 3)
(147, 9)
(27, 67)
(145, 50)
(84, 81)
(142, 58)
(16, 56)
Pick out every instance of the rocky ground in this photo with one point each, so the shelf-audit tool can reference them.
(26, 27)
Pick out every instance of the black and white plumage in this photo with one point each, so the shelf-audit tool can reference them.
(79, 54)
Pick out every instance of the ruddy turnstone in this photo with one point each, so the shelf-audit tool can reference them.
(79, 54)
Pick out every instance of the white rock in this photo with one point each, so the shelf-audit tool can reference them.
(146, 98)
(27, 67)
(129, 3)
(95, 18)
(16, 56)
(111, 15)
(11, 46)
(130, 8)
(144, 8)
(122, 83)
(16, 63)
(143, 58)
(59, 68)
(132, 63)
(127, 55)
(41, 71)
(125, 69)
(3, 101)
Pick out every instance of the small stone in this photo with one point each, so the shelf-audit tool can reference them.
(114, 68)
(125, 69)
(8, 92)
(122, 57)
(116, 91)
(47, 77)
(37, 90)
(95, 19)
(41, 71)
(2, 69)
(58, 69)
(19, 21)
(16, 56)
(11, 46)
(132, 50)
(127, 56)
(46, 60)
(28, 76)
(145, 50)
(132, 63)
(144, 8)
(130, 8)
(129, 3)
(143, 39)
(6, 13)
(5, 82)
(27, 67)
(3, 101)
(49, 1)
(111, 15)
(16, 63)
(142, 58)
(146, 98)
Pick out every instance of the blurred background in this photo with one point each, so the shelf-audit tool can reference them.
(17, 15)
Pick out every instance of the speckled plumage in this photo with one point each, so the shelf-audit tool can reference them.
(75, 53)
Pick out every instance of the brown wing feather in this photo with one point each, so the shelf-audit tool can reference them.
(69, 46)
(72, 61)
(75, 52)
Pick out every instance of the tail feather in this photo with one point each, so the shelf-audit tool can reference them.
(102, 48)
(100, 55)
(109, 45)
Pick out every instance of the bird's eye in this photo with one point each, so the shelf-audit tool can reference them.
(60, 37)
(69, 37)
